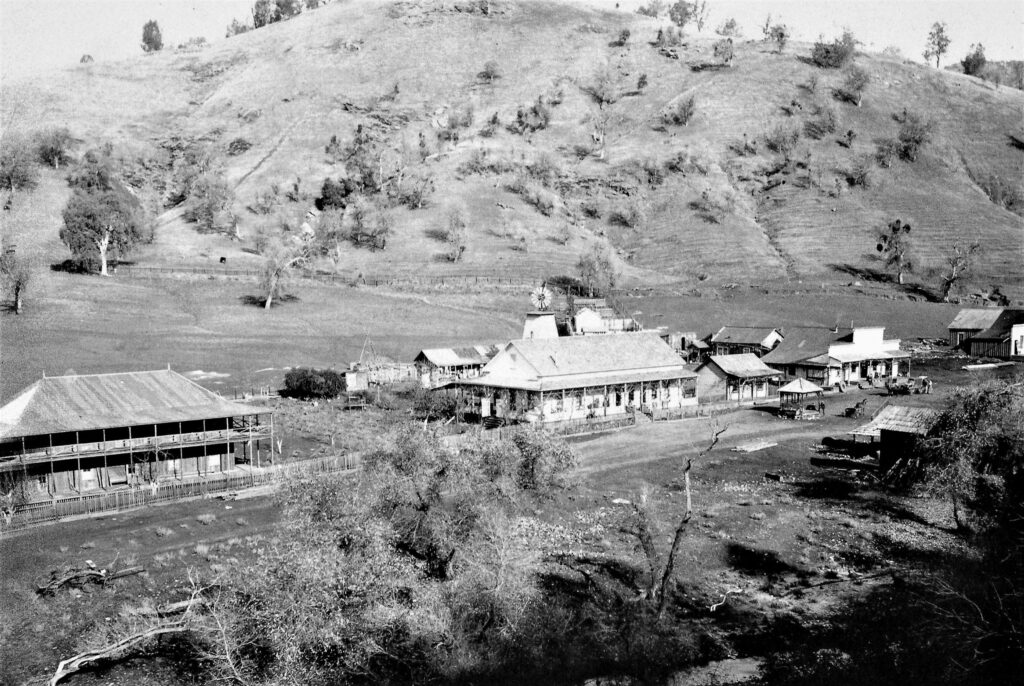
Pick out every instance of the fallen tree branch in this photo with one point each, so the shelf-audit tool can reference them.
(73, 664)
(80, 577)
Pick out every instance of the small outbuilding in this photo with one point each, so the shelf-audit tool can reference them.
(969, 322)
(738, 340)
(723, 378)
(896, 429)
(438, 366)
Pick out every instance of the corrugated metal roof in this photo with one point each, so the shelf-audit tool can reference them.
(975, 319)
(800, 386)
(911, 420)
(744, 366)
(999, 330)
(595, 354)
(459, 357)
(746, 335)
(100, 401)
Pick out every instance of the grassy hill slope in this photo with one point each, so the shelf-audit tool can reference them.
(289, 87)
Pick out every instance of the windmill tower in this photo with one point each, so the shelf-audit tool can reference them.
(540, 322)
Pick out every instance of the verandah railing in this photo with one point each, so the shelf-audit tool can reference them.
(56, 509)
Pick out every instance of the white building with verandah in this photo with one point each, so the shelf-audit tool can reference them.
(578, 378)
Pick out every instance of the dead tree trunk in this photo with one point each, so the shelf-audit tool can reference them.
(73, 664)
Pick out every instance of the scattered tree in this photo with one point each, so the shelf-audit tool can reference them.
(682, 13)
(308, 383)
(623, 37)
(18, 169)
(455, 234)
(729, 29)
(652, 9)
(779, 34)
(15, 276)
(938, 43)
(209, 203)
(836, 54)
(959, 263)
(369, 223)
(641, 83)
(782, 139)
(895, 247)
(596, 271)
(491, 71)
(278, 268)
(661, 572)
(54, 146)
(974, 62)
(237, 27)
(152, 41)
(102, 223)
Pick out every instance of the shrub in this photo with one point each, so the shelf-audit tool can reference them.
(686, 161)
(623, 37)
(824, 122)
(455, 234)
(915, 132)
(491, 127)
(237, 27)
(782, 139)
(206, 519)
(238, 146)
(534, 117)
(1002, 193)
(336, 193)
(724, 50)
(715, 205)
(545, 168)
(835, 54)
(680, 110)
(854, 83)
(641, 82)
(861, 173)
(307, 383)
(669, 37)
(887, 150)
(631, 215)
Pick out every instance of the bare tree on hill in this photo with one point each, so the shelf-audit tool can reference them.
(959, 263)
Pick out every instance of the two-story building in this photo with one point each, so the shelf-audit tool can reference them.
(741, 340)
(836, 357)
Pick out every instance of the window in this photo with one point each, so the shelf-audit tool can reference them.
(618, 398)
(689, 388)
(559, 406)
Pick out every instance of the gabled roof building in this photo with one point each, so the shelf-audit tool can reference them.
(736, 377)
(738, 340)
(438, 366)
(71, 434)
(970, 321)
(580, 377)
(836, 357)
(1003, 337)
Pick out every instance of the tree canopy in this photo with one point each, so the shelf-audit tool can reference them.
(99, 224)
(152, 40)
(938, 43)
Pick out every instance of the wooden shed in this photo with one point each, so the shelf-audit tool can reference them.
(736, 377)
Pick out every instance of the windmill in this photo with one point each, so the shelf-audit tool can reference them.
(541, 298)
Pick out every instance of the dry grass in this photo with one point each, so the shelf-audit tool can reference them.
(290, 72)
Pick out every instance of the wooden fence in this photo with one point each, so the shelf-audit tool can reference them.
(57, 509)
(489, 277)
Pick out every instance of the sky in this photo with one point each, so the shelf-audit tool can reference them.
(36, 35)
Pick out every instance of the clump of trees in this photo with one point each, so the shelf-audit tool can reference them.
(914, 133)
(682, 13)
(895, 247)
(652, 9)
(152, 40)
(265, 12)
(533, 117)
(836, 54)
(308, 383)
(778, 34)
(103, 219)
(730, 28)
(974, 62)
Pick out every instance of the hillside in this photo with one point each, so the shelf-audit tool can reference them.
(289, 87)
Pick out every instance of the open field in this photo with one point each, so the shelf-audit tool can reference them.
(765, 545)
